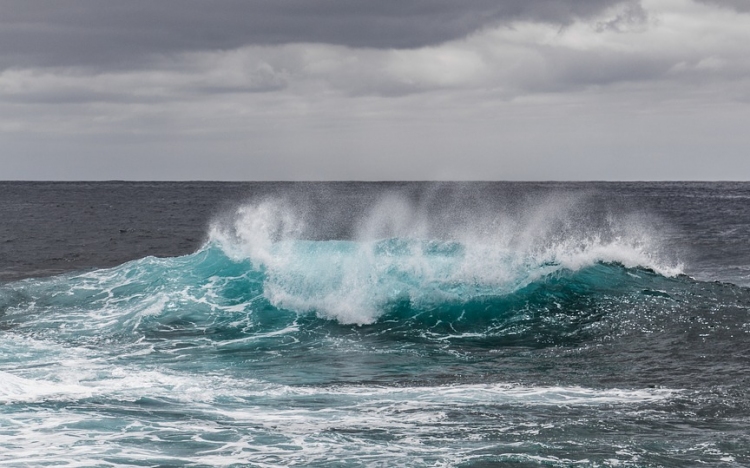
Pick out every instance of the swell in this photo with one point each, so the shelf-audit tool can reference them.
(536, 278)
(397, 287)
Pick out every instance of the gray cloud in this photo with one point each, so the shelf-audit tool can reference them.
(383, 89)
(737, 5)
(95, 33)
(622, 46)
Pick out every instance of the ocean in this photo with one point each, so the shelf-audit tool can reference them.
(374, 324)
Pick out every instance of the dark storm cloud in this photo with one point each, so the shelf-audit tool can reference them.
(123, 33)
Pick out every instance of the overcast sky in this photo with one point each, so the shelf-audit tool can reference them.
(375, 90)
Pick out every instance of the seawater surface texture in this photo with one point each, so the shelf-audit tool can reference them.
(353, 324)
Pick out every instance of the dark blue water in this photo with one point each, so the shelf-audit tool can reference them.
(351, 324)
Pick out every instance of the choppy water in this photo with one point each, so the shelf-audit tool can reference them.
(375, 325)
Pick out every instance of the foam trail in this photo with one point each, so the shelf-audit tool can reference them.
(16, 389)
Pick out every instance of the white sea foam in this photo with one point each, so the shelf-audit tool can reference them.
(241, 420)
(78, 373)
(16, 389)
(499, 393)
(404, 252)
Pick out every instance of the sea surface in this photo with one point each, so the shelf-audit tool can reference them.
(374, 324)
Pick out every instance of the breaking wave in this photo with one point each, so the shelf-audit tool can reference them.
(537, 280)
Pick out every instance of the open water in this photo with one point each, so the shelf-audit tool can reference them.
(382, 324)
